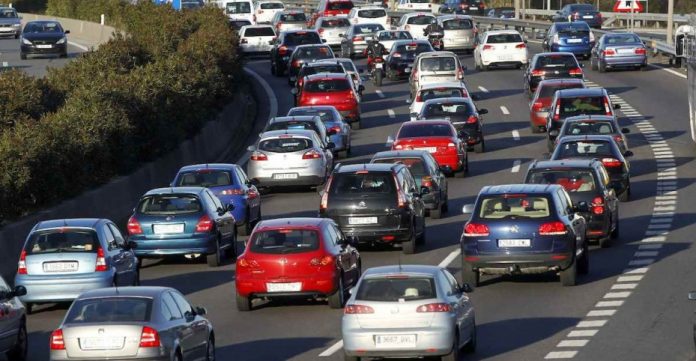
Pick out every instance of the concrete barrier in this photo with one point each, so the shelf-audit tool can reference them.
(85, 33)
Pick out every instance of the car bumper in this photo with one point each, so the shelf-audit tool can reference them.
(459, 43)
(539, 118)
(401, 70)
(340, 140)
(520, 263)
(450, 163)
(626, 61)
(358, 48)
(7, 31)
(515, 59)
(575, 49)
(430, 341)
(320, 284)
(350, 115)
(61, 288)
(251, 49)
(53, 50)
(154, 248)
(379, 234)
(268, 180)
(144, 354)
(433, 199)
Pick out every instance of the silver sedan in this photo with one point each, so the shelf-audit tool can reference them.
(334, 122)
(139, 323)
(408, 311)
(354, 41)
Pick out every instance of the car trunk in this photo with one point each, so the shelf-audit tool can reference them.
(169, 226)
(571, 38)
(328, 98)
(284, 161)
(431, 144)
(625, 50)
(61, 263)
(396, 315)
(515, 231)
(98, 340)
(364, 210)
(275, 267)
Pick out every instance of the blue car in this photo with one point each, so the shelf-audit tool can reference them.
(230, 184)
(575, 37)
(619, 50)
(182, 221)
(523, 229)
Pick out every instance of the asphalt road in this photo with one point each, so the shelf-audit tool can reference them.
(519, 318)
(9, 53)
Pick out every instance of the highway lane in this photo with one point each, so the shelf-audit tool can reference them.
(9, 52)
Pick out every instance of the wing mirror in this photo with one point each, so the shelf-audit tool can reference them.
(201, 311)
(628, 153)
(66, 32)
(466, 288)
(251, 148)
(625, 130)
(424, 190)
(617, 106)
(468, 209)
(414, 116)
(130, 245)
(483, 111)
(17, 292)
(361, 88)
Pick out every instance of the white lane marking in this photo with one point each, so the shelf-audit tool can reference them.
(391, 113)
(504, 109)
(450, 257)
(560, 355)
(516, 166)
(483, 89)
(624, 286)
(641, 262)
(601, 313)
(582, 333)
(79, 46)
(590, 324)
(630, 278)
(650, 246)
(332, 350)
(272, 109)
(515, 135)
(645, 254)
(673, 72)
(633, 271)
(617, 294)
(572, 343)
(379, 92)
(609, 304)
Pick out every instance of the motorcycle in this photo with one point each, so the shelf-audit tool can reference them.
(377, 70)
(435, 40)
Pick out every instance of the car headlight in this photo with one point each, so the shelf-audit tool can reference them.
(62, 40)
(25, 41)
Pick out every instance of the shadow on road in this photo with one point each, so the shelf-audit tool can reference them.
(271, 349)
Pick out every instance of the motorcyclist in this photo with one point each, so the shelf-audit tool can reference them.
(433, 28)
(374, 49)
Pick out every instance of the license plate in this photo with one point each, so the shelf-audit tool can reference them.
(168, 228)
(378, 65)
(504, 57)
(429, 149)
(473, 8)
(362, 220)
(407, 70)
(395, 341)
(60, 266)
(284, 287)
(285, 176)
(575, 41)
(514, 243)
(44, 46)
(626, 51)
(588, 17)
(101, 343)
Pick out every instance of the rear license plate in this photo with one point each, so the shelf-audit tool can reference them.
(285, 176)
(395, 341)
(362, 220)
(588, 17)
(60, 266)
(44, 46)
(504, 57)
(378, 65)
(626, 51)
(473, 8)
(284, 287)
(514, 243)
(429, 149)
(101, 343)
(407, 70)
(574, 41)
(168, 228)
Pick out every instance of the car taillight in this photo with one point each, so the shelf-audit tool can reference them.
(57, 342)
(451, 145)
(321, 261)
(398, 146)
(243, 41)
(575, 71)
(640, 51)
(419, 98)
(427, 181)
(538, 72)
(434, 307)
(607, 108)
(149, 337)
(312, 154)
(487, 47)
(357, 309)
(476, 230)
(521, 46)
(358, 38)
(611, 162)
(608, 52)
(557, 113)
(335, 129)
(100, 265)
(247, 263)
(22, 264)
(598, 205)
(134, 226)
(232, 192)
(282, 50)
(396, 55)
(296, 63)
(537, 106)
(205, 224)
(257, 156)
(460, 74)
(618, 138)
(555, 228)
(472, 119)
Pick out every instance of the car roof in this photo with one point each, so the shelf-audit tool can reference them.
(294, 132)
(323, 62)
(176, 190)
(519, 188)
(434, 54)
(139, 291)
(362, 24)
(551, 53)
(576, 92)
(453, 16)
(562, 81)
(293, 118)
(409, 269)
(593, 137)
(255, 27)
(411, 153)
(213, 166)
(565, 163)
(67, 222)
(369, 7)
(374, 167)
(290, 222)
(500, 32)
(327, 76)
(425, 122)
(43, 22)
(317, 107)
(294, 31)
(580, 118)
(311, 46)
(442, 84)
(420, 13)
(449, 100)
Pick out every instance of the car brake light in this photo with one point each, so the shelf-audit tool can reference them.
(358, 38)
(472, 119)
(335, 129)
(205, 224)
(100, 265)
(598, 205)
(640, 51)
(247, 263)
(451, 145)
(555, 228)
(538, 72)
(609, 52)
(149, 337)
(611, 162)
(427, 181)
(243, 41)
(312, 154)
(282, 50)
(396, 55)
(325, 196)
(618, 138)
(323, 261)
(57, 342)
(521, 46)
(487, 47)
(557, 113)
(134, 226)
(357, 309)
(257, 156)
(296, 63)
(434, 307)
(537, 106)
(476, 230)
(607, 108)
(575, 71)
(22, 264)
(232, 192)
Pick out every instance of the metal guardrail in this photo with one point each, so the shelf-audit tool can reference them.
(618, 16)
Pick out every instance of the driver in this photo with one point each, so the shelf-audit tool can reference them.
(433, 28)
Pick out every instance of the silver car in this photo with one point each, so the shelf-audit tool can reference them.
(289, 20)
(435, 67)
(408, 311)
(10, 22)
(307, 122)
(354, 41)
(290, 158)
(134, 323)
(13, 327)
(331, 28)
(334, 122)
(459, 32)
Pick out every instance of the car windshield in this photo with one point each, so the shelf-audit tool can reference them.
(417, 130)
(420, 19)
(503, 38)
(335, 23)
(415, 165)
(262, 31)
(419, 1)
(441, 93)
(581, 29)
(394, 35)
(514, 206)
(621, 39)
(238, 8)
(8, 13)
(293, 18)
(396, 288)
(448, 64)
(62, 240)
(556, 61)
(584, 149)
(590, 128)
(285, 145)
(339, 5)
(348, 65)
(412, 49)
(457, 24)
(42, 28)
(327, 68)
(293, 124)
(372, 13)
(582, 105)
(367, 28)
(548, 90)
(110, 309)
(313, 52)
(448, 110)
(572, 180)
(327, 85)
(362, 182)
(270, 6)
(237, 24)
(204, 178)
(302, 38)
(161, 204)
(325, 115)
(283, 241)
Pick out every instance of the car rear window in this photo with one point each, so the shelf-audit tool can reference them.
(579, 30)
(448, 110)
(514, 206)
(621, 39)
(339, 5)
(110, 309)
(62, 240)
(415, 165)
(285, 145)
(548, 90)
(162, 204)
(420, 19)
(590, 128)
(313, 52)
(416, 130)
(283, 241)
(396, 288)
(335, 23)
(325, 115)
(348, 65)
(362, 182)
(264, 31)
(503, 38)
(367, 28)
(556, 61)
(457, 24)
(572, 180)
(372, 13)
(413, 48)
(293, 18)
(438, 64)
(237, 24)
(327, 68)
(584, 149)
(8, 13)
(327, 85)
(238, 8)
(293, 124)
(272, 6)
(582, 105)
(394, 35)
(204, 178)
(441, 93)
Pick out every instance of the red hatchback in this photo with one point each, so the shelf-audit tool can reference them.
(297, 257)
(440, 138)
(541, 100)
(331, 89)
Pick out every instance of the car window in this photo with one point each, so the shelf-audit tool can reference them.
(439, 64)
(573, 180)
(110, 309)
(584, 149)
(62, 240)
(452, 284)
(241, 176)
(339, 5)
(514, 206)
(590, 128)
(582, 105)
(548, 90)
(503, 38)
(284, 241)
(457, 24)
(302, 37)
(8, 13)
(372, 13)
(556, 61)
(204, 178)
(3, 285)
(285, 145)
(394, 35)
(41, 27)
(339, 236)
(416, 130)
(313, 52)
(323, 68)
(459, 109)
(238, 8)
(293, 18)
(335, 23)
(415, 165)
(367, 28)
(327, 85)
(292, 124)
(262, 31)
(117, 235)
(214, 200)
(441, 93)
(622, 39)
(171, 305)
(420, 19)
(325, 114)
(269, 6)
(169, 204)
(184, 306)
(110, 239)
(359, 182)
(396, 288)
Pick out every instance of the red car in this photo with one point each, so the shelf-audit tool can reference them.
(541, 100)
(297, 257)
(328, 8)
(331, 89)
(440, 138)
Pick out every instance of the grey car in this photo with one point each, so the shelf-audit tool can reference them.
(134, 323)
(13, 323)
(620, 50)
(354, 41)
(10, 22)
(62, 258)
(334, 123)
(408, 311)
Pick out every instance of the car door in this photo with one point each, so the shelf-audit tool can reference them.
(178, 327)
(253, 196)
(576, 220)
(196, 325)
(130, 262)
(349, 255)
(9, 323)
(465, 316)
(438, 176)
(224, 221)
(117, 258)
(331, 243)
(452, 296)
(609, 193)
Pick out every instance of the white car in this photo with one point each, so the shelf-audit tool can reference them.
(352, 70)
(331, 28)
(265, 10)
(256, 38)
(415, 23)
(289, 20)
(410, 5)
(447, 89)
(388, 37)
(237, 10)
(369, 14)
(500, 48)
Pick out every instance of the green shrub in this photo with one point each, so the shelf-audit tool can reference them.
(23, 98)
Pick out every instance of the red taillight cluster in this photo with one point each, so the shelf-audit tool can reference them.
(134, 226)
(555, 228)
(641, 51)
(325, 196)
(611, 162)
(282, 50)
(419, 98)
(538, 72)
(434, 307)
(247, 263)
(312, 154)
(320, 31)
(618, 139)
(258, 156)
(335, 129)
(536, 106)
(476, 230)
(57, 342)
(357, 309)
(100, 265)
(472, 119)
(575, 71)
(598, 205)
(521, 46)
(608, 52)
(22, 264)
(232, 192)
(205, 224)
(488, 47)
(358, 38)
(557, 113)
(149, 337)
(321, 261)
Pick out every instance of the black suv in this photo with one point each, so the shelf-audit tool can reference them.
(551, 66)
(377, 203)
(285, 44)
(469, 7)
(585, 180)
(425, 171)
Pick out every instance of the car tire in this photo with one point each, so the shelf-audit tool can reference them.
(29, 308)
(549, 145)
(601, 66)
(615, 232)
(409, 247)
(243, 303)
(593, 64)
(245, 229)
(470, 346)
(215, 259)
(337, 299)
(484, 67)
(623, 197)
(177, 356)
(584, 262)
(342, 154)
(436, 213)
(210, 352)
(469, 275)
(480, 147)
(351, 358)
(18, 352)
(460, 174)
(454, 354)
(569, 276)
(23, 56)
(420, 240)
(64, 55)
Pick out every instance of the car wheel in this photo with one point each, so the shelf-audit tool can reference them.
(623, 197)
(342, 153)
(584, 262)
(480, 147)
(549, 145)
(469, 275)
(215, 259)
(484, 67)
(470, 346)
(210, 354)
(19, 350)
(615, 231)
(337, 299)
(409, 247)
(231, 250)
(454, 355)
(436, 213)
(23, 56)
(420, 240)
(177, 356)
(569, 276)
(601, 66)
(28, 308)
(535, 129)
(643, 67)
(243, 303)
(273, 69)
(351, 358)
(461, 173)
(593, 64)
(64, 55)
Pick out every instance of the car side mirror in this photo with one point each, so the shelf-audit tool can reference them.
(463, 134)
(190, 316)
(66, 32)
(582, 65)
(221, 210)
(582, 207)
(525, 41)
(18, 292)
(254, 181)
(251, 148)
(628, 153)
(201, 311)
(468, 209)
(553, 133)
(323, 40)
(464, 67)
(692, 295)
(390, 141)
(424, 190)
(466, 288)
(330, 145)
(341, 35)
(293, 91)
(617, 106)
(625, 130)
(483, 111)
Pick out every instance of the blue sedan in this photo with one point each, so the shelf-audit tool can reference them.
(575, 37)
(619, 50)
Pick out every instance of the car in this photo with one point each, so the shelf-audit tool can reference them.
(579, 12)
(459, 32)
(289, 20)
(331, 28)
(502, 13)
(524, 229)
(297, 257)
(63, 257)
(320, 66)
(500, 48)
(426, 172)
(369, 15)
(411, 5)
(301, 122)
(415, 23)
(595, 125)
(290, 158)
(604, 148)
(445, 89)
(306, 54)
(286, 43)
(334, 123)
(189, 5)
(541, 100)
(10, 22)
(230, 184)
(239, 23)
(555, 65)
(134, 323)
(572, 102)
(240, 10)
(41, 38)
(354, 41)
(464, 116)
(333, 8)
(585, 180)
(377, 204)
(576, 38)
(408, 311)
(435, 67)
(463, 7)
(440, 138)
(399, 61)
(354, 73)
(619, 51)
(331, 89)
(13, 323)
(183, 221)
(265, 10)
(255, 39)
(388, 37)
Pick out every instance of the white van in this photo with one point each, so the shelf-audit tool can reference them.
(256, 38)
(414, 5)
(369, 14)
(239, 10)
(265, 10)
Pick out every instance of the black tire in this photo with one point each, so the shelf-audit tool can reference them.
(231, 250)
(16, 36)
(29, 308)
(601, 66)
(177, 356)
(593, 65)
(584, 261)
(623, 197)
(215, 259)
(245, 229)
(409, 247)
(569, 276)
(64, 55)
(338, 298)
(378, 78)
(454, 354)
(469, 275)
(615, 232)
(342, 154)
(420, 240)
(210, 353)
(535, 129)
(351, 358)
(23, 56)
(243, 303)
(436, 213)
(549, 145)
(18, 352)
(485, 67)
(460, 174)
(470, 346)
(480, 147)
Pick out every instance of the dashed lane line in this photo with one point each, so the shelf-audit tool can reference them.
(391, 113)
(515, 135)
(505, 110)
(483, 89)
(516, 166)
(332, 350)
(451, 257)
(380, 94)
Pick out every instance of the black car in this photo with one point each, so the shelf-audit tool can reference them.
(304, 54)
(237, 24)
(285, 45)
(468, 7)
(585, 180)
(579, 12)
(523, 229)
(604, 148)
(377, 203)
(551, 66)
(43, 38)
(402, 55)
(426, 172)
(595, 125)
(462, 113)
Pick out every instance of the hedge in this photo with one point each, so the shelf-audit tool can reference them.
(135, 98)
